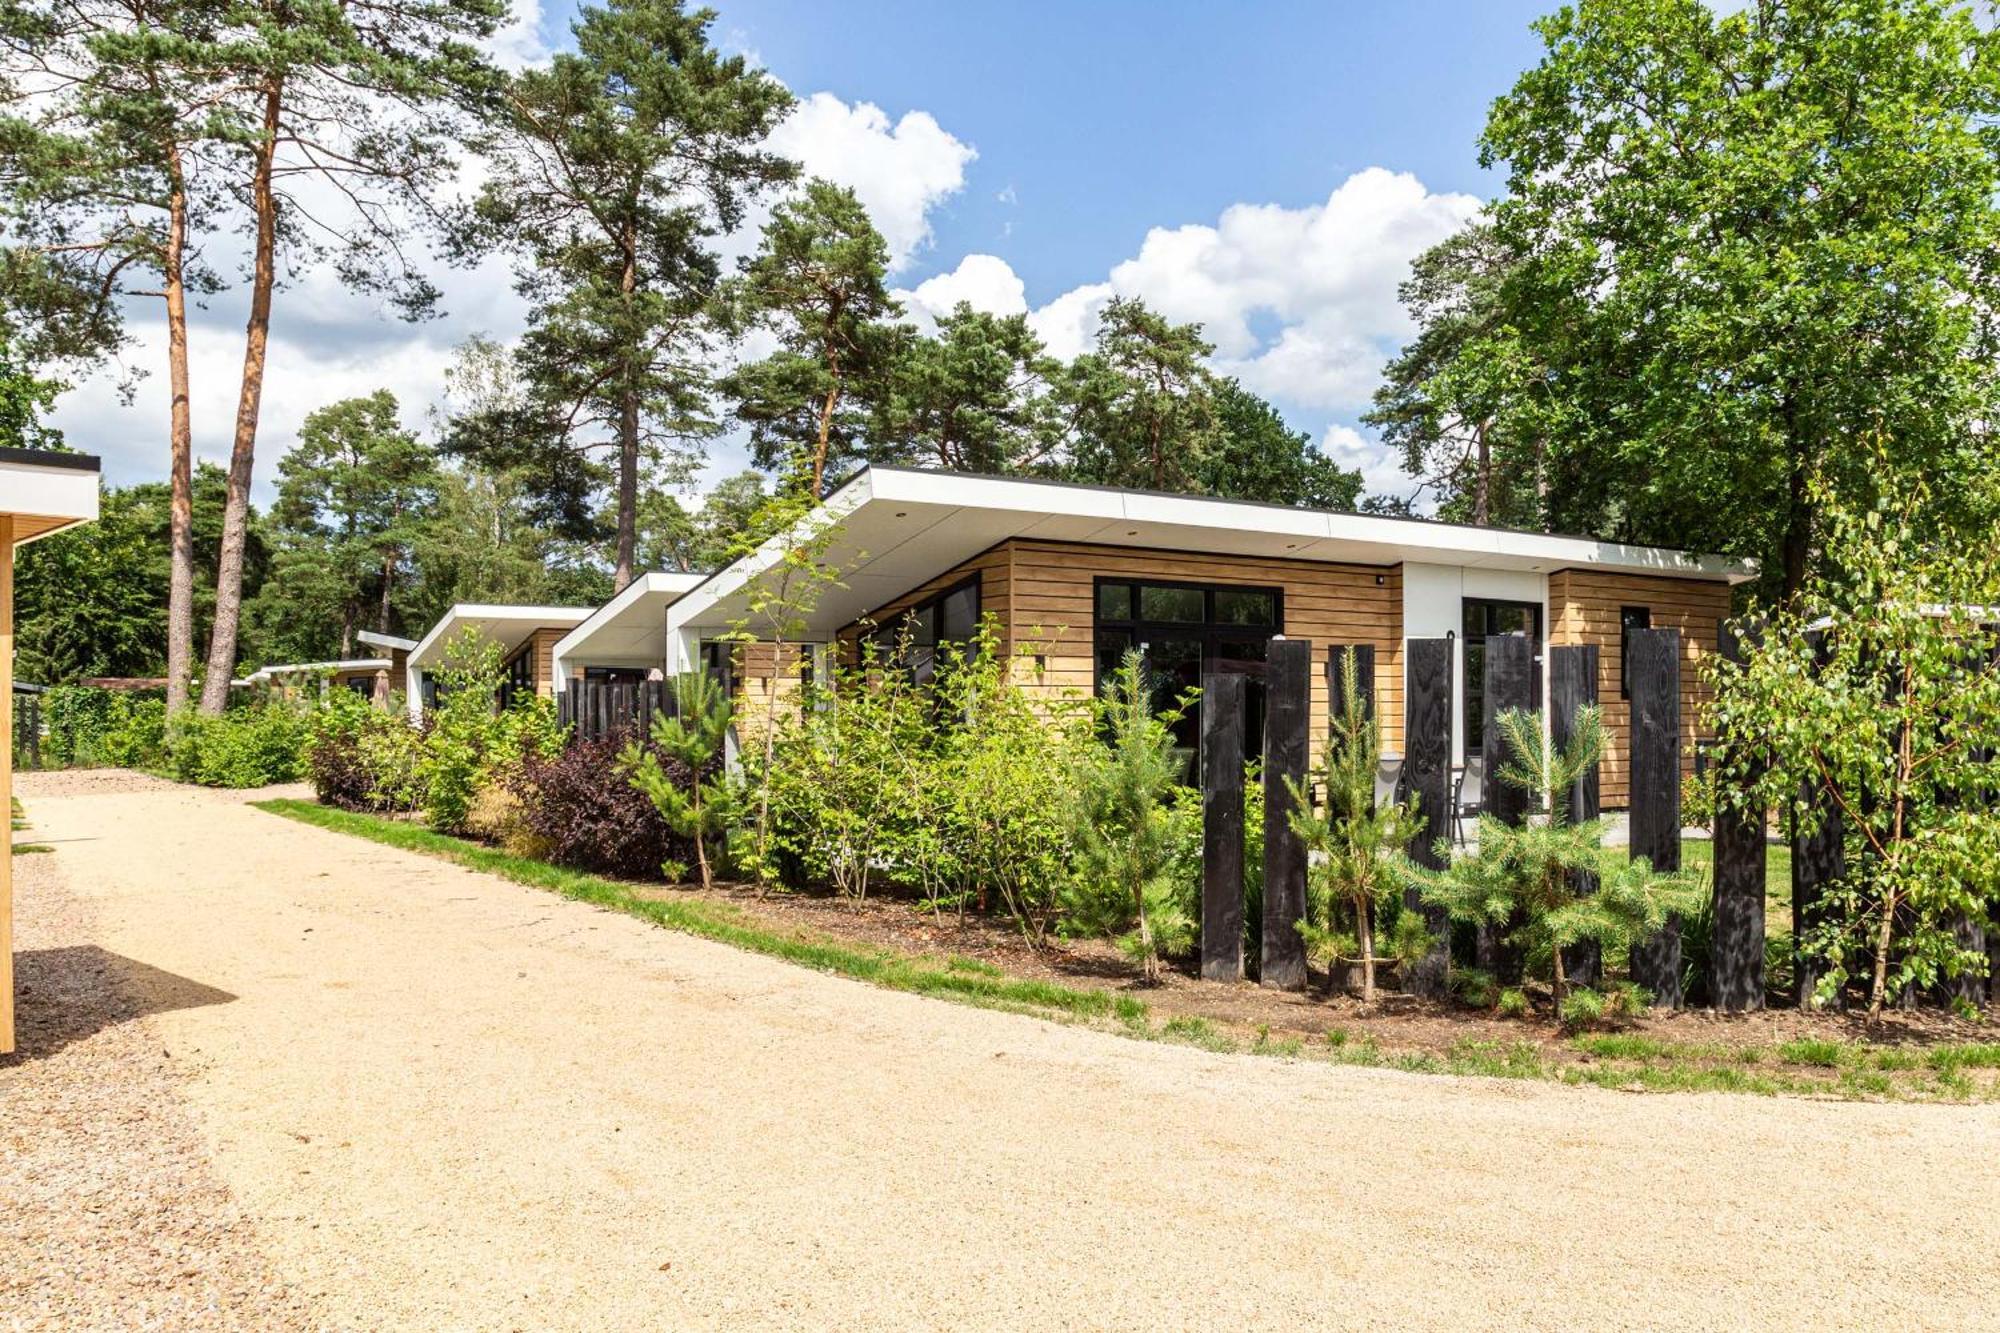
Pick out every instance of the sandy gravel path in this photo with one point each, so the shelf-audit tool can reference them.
(448, 1101)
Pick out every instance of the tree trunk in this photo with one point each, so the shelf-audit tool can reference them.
(825, 433)
(628, 431)
(180, 437)
(1482, 478)
(242, 454)
(1366, 930)
(388, 584)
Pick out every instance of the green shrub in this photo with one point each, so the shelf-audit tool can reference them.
(89, 727)
(245, 747)
(471, 743)
(1127, 822)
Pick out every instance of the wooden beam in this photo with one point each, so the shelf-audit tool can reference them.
(6, 783)
(1736, 964)
(1427, 776)
(1573, 684)
(1222, 827)
(1509, 687)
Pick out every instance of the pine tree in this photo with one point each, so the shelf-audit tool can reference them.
(1525, 878)
(1124, 820)
(1356, 865)
(703, 802)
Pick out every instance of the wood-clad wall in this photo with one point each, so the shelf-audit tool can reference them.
(542, 657)
(1052, 586)
(1584, 607)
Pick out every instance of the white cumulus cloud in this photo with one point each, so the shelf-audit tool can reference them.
(900, 170)
(985, 282)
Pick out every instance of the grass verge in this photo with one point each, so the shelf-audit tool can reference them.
(1629, 1062)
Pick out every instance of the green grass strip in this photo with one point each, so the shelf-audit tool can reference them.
(726, 924)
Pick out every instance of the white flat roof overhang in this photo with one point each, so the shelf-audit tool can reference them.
(508, 626)
(45, 492)
(898, 528)
(630, 630)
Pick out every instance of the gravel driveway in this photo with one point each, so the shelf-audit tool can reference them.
(395, 1093)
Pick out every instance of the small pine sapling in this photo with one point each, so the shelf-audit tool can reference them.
(705, 802)
(1123, 818)
(1528, 874)
(1356, 863)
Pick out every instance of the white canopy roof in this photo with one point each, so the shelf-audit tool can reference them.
(629, 630)
(899, 527)
(265, 673)
(508, 626)
(46, 492)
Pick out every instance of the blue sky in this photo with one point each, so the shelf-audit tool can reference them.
(1110, 118)
(1266, 169)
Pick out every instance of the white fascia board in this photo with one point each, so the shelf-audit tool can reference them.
(665, 587)
(370, 637)
(1394, 539)
(346, 664)
(732, 578)
(429, 649)
(45, 499)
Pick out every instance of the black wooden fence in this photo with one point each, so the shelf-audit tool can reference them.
(1655, 740)
(596, 710)
(27, 737)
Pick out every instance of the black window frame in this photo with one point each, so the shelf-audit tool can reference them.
(1625, 628)
(1137, 630)
(1472, 717)
(517, 675)
(887, 635)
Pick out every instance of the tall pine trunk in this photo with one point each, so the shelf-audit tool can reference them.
(242, 454)
(180, 443)
(628, 429)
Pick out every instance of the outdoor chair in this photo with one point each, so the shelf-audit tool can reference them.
(1465, 797)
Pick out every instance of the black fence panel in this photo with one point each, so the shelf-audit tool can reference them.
(1427, 714)
(1222, 827)
(1653, 675)
(1573, 680)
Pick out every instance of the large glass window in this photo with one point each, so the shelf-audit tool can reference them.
(1483, 618)
(1186, 629)
(947, 617)
(517, 677)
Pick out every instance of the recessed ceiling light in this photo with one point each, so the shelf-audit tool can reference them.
(902, 513)
(1132, 532)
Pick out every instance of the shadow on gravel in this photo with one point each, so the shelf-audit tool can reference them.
(65, 995)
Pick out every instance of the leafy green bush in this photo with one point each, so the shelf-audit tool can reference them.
(245, 747)
(362, 758)
(471, 743)
(89, 727)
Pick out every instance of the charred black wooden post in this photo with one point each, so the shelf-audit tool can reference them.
(1819, 857)
(1736, 967)
(1653, 671)
(1287, 720)
(1573, 686)
(1510, 668)
(1222, 827)
(1427, 714)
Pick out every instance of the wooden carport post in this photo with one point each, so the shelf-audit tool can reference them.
(6, 783)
